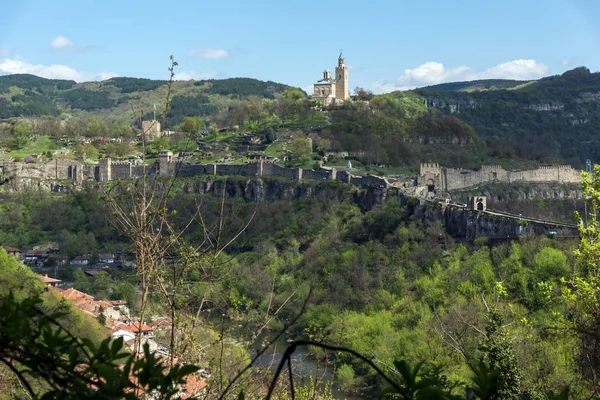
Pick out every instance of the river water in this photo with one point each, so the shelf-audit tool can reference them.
(304, 363)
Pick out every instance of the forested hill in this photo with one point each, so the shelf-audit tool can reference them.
(554, 119)
(479, 85)
(24, 95)
(517, 124)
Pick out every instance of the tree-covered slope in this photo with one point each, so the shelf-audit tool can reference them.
(551, 120)
(478, 85)
(112, 99)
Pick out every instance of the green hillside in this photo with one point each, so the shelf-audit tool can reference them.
(478, 85)
(464, 124)
(111, 100)
(554, 119)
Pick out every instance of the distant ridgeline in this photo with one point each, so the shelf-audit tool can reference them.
(437, 178)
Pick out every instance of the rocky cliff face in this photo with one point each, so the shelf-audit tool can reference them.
(455, 106)
(268, 189)
(472, 225)
(547, 201)
(35, 185)
(520, 192)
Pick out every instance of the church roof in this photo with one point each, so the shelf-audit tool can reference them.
(325, 82)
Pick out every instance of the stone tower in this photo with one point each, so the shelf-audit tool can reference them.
(341, 80)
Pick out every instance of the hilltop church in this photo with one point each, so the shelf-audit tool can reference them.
(333, 90)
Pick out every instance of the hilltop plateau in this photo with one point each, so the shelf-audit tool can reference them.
(516, 124)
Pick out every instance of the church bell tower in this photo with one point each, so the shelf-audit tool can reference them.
(341, 80)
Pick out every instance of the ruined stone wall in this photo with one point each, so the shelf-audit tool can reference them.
(121, 170)
(276, 170)
(107, 170)
(368, 180)
(188, 170)
(169, 168)
(139, 170)
(88, 172)
(457, 178)
(51, 169)
(559, 173)
(321, 174)
(251, 169)
(342, 176)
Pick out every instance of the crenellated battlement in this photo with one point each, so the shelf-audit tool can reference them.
(459, 178)
(491, 167)
(430, 165)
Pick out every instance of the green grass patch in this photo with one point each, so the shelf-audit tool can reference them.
(41, 145)
(275, 149)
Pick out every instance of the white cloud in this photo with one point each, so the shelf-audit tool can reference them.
(310, 89)
(62, 43)
(212, 53)
(188, 75)
(567, 62)
(4, 51)
(54, 71)
(384, 86)
(517, 69)
(354, 68)
(431, 73)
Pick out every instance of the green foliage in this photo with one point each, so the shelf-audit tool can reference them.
(130, 85)
(32, 82)
(86, 152)
(192, 126)
(498, 355)
(182, 106)
(21, 135)
(346, 377)
(484, 84)
(55, 355)
(37, 97)
(88, 100)
(537, 121)
(242, 87)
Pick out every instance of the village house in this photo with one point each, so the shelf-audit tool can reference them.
(106, 258)
(12, 251)
(49, 282)
(80, 261)
(134, 327)
(36, 256)
(160, 323)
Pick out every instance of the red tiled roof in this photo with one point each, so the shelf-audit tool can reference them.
(76, 296)
(11, 249)
(161, 323)
(192, 386)
(134, 327)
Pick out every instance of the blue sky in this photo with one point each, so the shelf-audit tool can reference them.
(388, 45)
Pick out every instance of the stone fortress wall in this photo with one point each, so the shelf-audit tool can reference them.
(446, 179)
(107, 170)
(51, 169)
(432, 176)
